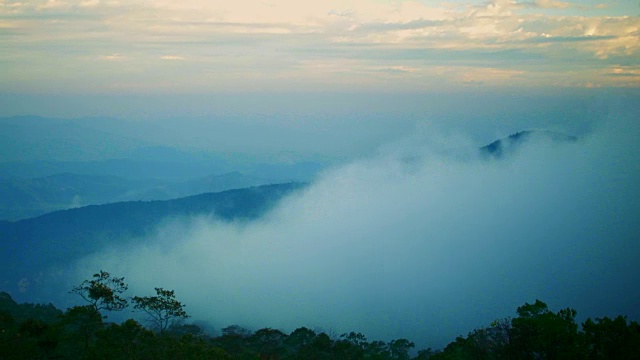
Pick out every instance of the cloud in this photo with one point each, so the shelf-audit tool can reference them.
(395, 69)
(238, 33)
(565, 39)
(421, 240)
(553, 4)
(113, 57)
(89, 3)
(172, 57)
(52, 4)
(624, 71)
(624, 74)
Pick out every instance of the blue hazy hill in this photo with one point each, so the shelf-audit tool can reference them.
(22, 198)
(509, 145)
(31, 246)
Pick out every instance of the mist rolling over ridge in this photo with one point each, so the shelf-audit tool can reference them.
(417, 241)
(402, 170)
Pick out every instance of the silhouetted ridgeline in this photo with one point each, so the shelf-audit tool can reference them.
(72, 185)
(508, 145)
(22, 198)
(31, 245)
(30, 331)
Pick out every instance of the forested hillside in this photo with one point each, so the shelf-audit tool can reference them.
(29, 331)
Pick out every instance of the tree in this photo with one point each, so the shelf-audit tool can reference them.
(236, 330)
(538, 333)
(301, 338)
(612, 338)
(235, 340)
(103, 292)
(352, 346)
(79, 326)
(128, 340)
(269, 343)
(400, 348)
(163, 308)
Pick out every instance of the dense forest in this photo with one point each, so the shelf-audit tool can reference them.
(35, 331)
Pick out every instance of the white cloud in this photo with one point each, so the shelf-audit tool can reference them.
(289, 33)
(172, 57)
(113, 57)
(553, 4)
(410, 243)
(89, 3)
(52, 4)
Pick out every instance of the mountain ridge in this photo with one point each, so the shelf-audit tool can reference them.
(31, 246)
(508, 145)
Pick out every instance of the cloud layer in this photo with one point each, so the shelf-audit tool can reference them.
(422, 240)
(327, 45)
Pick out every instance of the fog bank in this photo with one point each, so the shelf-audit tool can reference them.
(422, 240)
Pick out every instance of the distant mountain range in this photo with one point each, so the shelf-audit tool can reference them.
(32, 245)
(148, 177)
(510, 144)
(49, 164)
(33, 146)
(22, 198)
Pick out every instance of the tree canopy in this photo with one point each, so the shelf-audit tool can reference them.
(162, 308)
(103, 292)
(44, 332)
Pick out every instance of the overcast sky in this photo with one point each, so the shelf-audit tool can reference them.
(194, 46)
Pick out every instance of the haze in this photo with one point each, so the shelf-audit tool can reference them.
(403, 229)
(412, 243)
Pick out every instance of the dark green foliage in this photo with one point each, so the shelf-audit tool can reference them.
(425, 354)
(322, 346)
(78, 329)
(351, 346)
(128, 340)
(304, 343)
(190, 347)
(538, 333)
(301, 338)
(162, 308)
(177, 329)
(269, 343)
(42, 334)
(29, 327)
(236, 341)
(612, 339)
(236, 330)
(399, 349)
(8, 333)
(31, 339)
(80, 333)
(103, 292)
(21, 312)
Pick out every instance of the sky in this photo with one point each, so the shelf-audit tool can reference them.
(410, 236)
(129, 47)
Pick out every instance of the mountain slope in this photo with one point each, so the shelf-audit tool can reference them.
(29, 247)
(22, 198)
(509, 145)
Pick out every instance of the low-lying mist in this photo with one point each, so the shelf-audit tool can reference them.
(424, 240)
